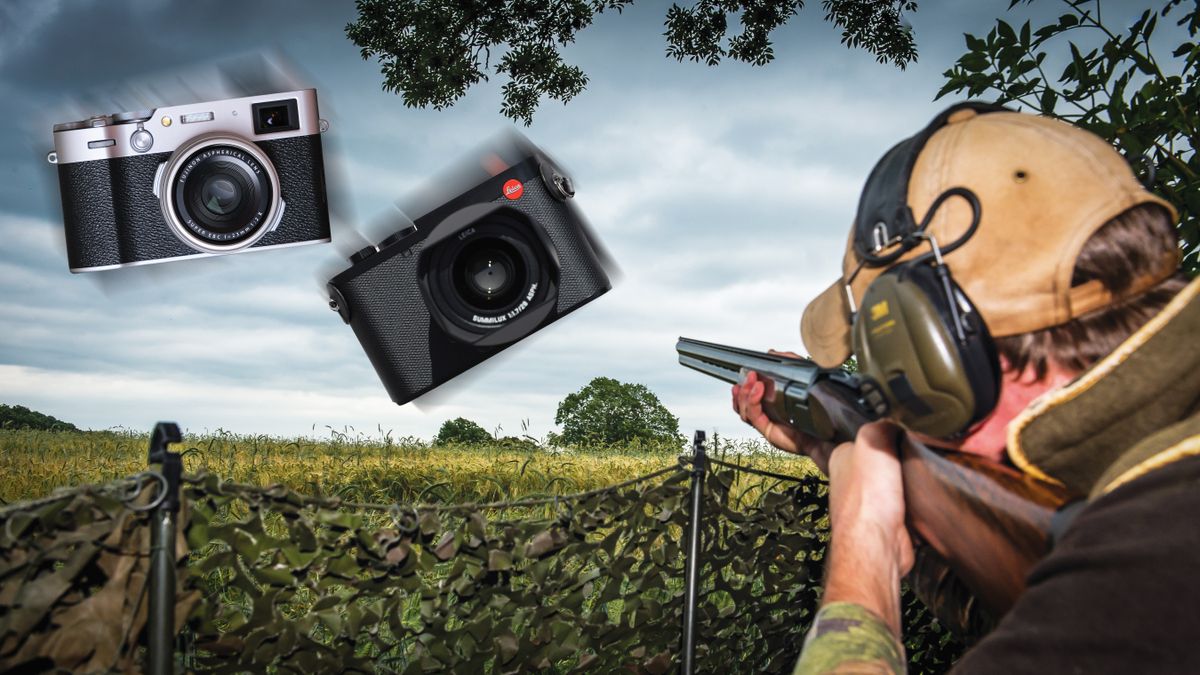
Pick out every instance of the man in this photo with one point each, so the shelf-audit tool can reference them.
(1073, 268)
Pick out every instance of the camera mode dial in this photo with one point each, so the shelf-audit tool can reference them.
(132, 116)
(362, 254)
(398, 236)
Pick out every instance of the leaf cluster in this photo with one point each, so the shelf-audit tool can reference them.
(1145, 103)
(462, 431)
(878, 27)
(432, 51)
(20, 417)
(608, 412)
(696, 33)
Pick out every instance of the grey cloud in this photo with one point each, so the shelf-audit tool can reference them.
(92, 42)
(246, 343)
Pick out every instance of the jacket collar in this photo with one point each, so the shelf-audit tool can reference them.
(1104, 424)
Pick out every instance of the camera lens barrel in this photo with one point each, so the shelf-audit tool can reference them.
(486, 274)
(220, 193)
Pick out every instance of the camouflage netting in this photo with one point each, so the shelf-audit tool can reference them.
(73, 580)
(279, 581)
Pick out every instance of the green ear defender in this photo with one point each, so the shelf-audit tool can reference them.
(921, 344)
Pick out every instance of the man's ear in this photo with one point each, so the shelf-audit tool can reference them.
(1028, 375)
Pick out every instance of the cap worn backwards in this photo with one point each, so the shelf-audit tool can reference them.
(1044, 187)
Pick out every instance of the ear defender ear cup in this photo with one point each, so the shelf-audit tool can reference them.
(909, 348)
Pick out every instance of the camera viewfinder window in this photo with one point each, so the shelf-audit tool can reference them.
(275, 116)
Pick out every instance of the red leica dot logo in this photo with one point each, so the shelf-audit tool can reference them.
(513, 189)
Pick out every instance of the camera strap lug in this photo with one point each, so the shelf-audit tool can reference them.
(558, 184)
(337, 302)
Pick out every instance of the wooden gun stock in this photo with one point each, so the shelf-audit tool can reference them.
(990, 523)
(987, 522)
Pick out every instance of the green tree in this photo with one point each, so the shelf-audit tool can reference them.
(606, 411)
(462, 431)
(20, 417)
(1147, 104)
(432, 51)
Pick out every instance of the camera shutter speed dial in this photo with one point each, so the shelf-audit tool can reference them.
(362, 254)
(132, 116)
(399, 236)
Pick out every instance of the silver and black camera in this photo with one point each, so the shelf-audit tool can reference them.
(471, 277)
(192, 180)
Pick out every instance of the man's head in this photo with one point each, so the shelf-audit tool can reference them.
(1068, 241)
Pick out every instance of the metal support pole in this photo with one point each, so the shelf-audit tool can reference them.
(161, 622)
(699, 468)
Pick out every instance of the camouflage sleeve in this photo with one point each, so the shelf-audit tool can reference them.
(847, 638)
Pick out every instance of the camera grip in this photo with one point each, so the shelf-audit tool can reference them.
(89, 218)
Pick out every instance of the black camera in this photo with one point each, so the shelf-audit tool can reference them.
(192, 180)
(470, 277)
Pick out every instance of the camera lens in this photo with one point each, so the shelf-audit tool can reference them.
(222, 195)
(488, 274)
(483, 273)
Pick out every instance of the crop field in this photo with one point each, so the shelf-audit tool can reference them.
(354, 466)
(309, 575)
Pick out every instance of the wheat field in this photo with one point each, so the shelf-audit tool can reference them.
(358, 467)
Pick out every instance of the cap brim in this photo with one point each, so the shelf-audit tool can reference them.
(825, 329)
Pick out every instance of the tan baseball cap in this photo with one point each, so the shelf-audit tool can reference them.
(1043, 185)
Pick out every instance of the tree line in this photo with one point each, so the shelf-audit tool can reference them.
(604, 412)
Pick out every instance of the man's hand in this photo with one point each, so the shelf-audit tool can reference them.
(870, 549)
(747, 403)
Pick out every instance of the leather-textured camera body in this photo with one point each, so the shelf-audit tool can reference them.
(470, 277)
(201, 179)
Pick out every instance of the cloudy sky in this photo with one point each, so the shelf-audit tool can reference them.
(723, 193)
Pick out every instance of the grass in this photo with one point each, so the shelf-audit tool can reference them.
(354, 466)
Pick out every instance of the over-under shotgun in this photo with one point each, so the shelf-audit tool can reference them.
(988, 522)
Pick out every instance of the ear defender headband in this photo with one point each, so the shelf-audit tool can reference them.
(919, 341)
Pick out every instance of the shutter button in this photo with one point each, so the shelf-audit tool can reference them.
(141, 140)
